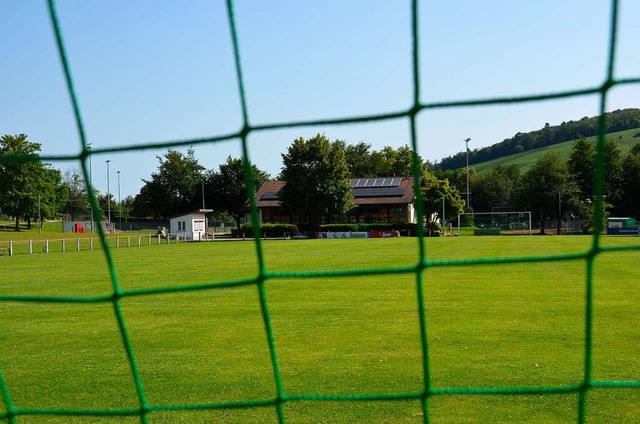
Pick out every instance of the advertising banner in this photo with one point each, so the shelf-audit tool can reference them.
(343, 234)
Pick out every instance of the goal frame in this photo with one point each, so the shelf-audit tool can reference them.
(527, 213)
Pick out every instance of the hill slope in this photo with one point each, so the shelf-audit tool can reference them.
(626, 140)
(619, 120)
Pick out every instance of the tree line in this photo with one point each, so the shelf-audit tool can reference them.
(316, 173)
(555, 189)
(618, 120)
(317, 170)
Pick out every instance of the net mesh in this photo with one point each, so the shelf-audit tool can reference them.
(278, 402)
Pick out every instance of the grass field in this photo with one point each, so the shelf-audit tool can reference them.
(489, 325)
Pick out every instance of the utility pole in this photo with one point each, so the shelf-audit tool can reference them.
(444, 229)
(89, 186)
(467, 140)
(119, 205)
(559, 214)
(39, 216)
(108, 195)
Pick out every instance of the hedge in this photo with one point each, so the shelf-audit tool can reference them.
(271, 230)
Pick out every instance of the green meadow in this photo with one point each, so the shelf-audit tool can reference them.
(625, 139)
(498, 324)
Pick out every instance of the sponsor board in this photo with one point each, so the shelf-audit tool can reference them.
(343, 234)
(382, 233)
(618, 231)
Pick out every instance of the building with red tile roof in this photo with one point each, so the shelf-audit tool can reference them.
(377, 200)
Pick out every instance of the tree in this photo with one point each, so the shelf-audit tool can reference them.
(630, 176)
(227, 190)
(27, 186)
(545, 185)
(388, 162)
(358, 159)
(315, 176)
(433, 192)
(77, 197)
(581, 165)
(496, 189)
(613, 174)
(175, 188)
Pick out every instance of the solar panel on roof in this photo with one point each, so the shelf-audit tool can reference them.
(375, 182)
(379, 192)
(270, 196)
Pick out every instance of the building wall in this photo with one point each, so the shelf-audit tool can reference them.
(185, 225)
(366, 214)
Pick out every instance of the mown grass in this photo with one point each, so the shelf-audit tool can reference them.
(489, 325)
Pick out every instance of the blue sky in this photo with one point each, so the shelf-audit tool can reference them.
(156, 71)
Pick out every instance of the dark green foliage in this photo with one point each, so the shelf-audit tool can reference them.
(388, 162)
(316, 179)
(174, 189)
(613, 174)
(340, 227)
(226, 190)
(433, 191)
(27, 186)
(497, 189)
(545, 186)
(581, 164)
(630, 183)
(270, 230)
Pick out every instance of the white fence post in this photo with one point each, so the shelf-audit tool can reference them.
(64, 246)
(117, 242)
(10, 247)
(46, 246)
(77, 245)
(138, 241)
(31, 247)
(90, 243)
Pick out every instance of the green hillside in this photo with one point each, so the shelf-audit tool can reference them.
(626, 139)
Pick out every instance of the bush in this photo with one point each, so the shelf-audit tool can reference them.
(340, 227)
(270, 230)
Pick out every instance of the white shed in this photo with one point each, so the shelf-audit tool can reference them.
(191, 225)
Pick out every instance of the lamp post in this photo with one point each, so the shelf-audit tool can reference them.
(444, 229)
(119, 205)
(90, 180)
(467, 140)
(89, 149)
(108, 195)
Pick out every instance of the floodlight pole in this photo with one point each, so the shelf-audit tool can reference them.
(108, 195)
(444, 230)
(90, 181)
(467, 140)
(119, 204)
(559, 214)
(39, 216)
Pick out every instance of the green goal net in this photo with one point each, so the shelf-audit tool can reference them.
(429, 392)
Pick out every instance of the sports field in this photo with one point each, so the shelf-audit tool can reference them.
(506, 325)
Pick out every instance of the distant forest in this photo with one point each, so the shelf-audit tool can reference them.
(618, 120)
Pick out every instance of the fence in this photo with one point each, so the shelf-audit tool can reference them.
(31, 247)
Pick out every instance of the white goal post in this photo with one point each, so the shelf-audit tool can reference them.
(495, 223)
